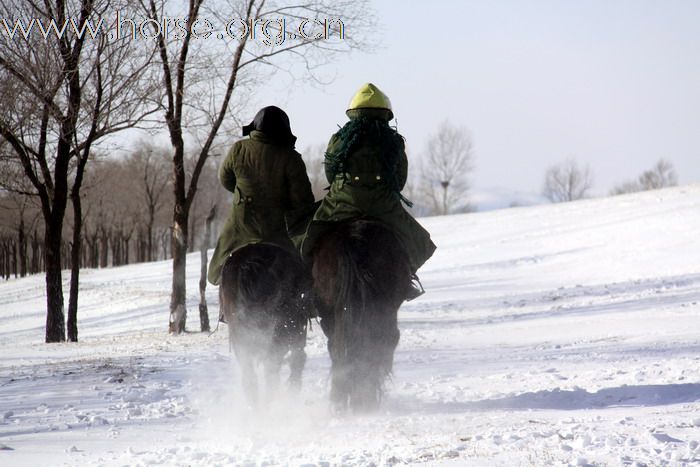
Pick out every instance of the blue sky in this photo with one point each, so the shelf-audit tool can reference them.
(614, 84)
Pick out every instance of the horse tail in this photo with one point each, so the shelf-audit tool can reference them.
(250, 279)
(264, 282)
(348, 301)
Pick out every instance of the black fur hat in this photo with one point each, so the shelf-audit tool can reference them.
(274, 123)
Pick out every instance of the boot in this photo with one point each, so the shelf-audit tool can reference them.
(414, 289)
(222, 316)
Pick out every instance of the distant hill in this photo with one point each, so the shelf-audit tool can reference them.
(490, 198)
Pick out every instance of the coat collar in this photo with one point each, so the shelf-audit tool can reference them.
(257, 135)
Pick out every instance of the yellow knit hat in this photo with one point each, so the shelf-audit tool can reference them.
(370, 97)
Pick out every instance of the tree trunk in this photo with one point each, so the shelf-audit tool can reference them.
(36, 267)
(55, 318)
(114, 246)
(444, 197)
(95, 252)
(72, 327)
(14, 260)
(65, 254)
(104, 249)
(126, 250)
(149, 251)
(164, 245)
(178, 310)
(3, 261)
(85, 252)
(143, 252)
(8, 261)
(22, 249)
(192, 231)
(203, 310)
(140, 248)
(178, 239)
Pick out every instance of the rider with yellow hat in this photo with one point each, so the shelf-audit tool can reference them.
(367, 167)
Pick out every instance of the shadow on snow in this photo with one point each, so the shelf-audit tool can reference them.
(578, 399)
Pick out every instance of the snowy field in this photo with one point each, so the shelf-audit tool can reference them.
(550, 335)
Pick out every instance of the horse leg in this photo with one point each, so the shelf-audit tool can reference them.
(272, 366)
(297, 361)
(339, 388)
(365, 394)
(377, 341)
(297, 358)
(390, 343)
(341, 349)
(248, 377)
(364, 374)
(327, 321)
(245, 360)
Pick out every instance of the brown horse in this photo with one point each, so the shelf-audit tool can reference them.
(360, 274)
(261, 298)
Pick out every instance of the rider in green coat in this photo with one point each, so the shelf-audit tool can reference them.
(268, 180)
(366, 167)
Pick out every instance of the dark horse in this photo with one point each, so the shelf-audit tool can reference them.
(360, 275)
(260, 295)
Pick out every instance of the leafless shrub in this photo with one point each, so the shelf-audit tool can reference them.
(662, 175)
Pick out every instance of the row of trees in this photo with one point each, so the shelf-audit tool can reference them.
(568, 181)
(126, 215)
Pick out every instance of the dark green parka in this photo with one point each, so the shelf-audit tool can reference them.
(268, 181)
(366, 181)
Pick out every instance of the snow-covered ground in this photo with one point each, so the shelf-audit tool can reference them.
(557, 334)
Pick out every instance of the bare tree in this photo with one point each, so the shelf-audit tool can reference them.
(449, 161)
(567, 182)
(69, 91)
(662, 175)
(199, 79)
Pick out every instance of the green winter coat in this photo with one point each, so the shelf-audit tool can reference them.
(268, 181)
(362, 190)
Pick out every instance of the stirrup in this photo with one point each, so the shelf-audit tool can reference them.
(415, 288)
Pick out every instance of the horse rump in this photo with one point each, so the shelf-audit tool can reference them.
(260, 295)
(360, 272)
